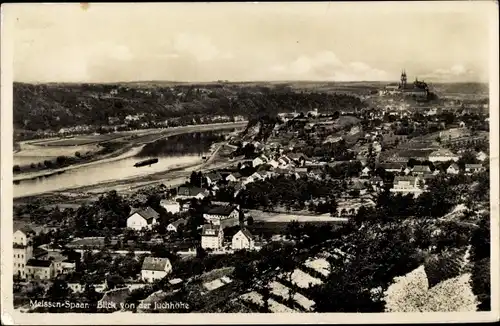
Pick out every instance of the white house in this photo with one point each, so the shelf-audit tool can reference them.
(273, 163)
(366, 170)
(243, 239)
(154, 268)
(473, 168)
(174, 226)
(212, 237)
(406, 185)
(421, 170)
(442, 155)
(453, 169)
(213, 178)
(481, 156)
(191, 192)
(284, 160)
(257, 161)
(222, 214)
(256, 176)
(141, 219)
(22, 251)
(392, 167)
(170, 206)
(234, 177)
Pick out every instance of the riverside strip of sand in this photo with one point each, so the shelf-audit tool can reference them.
(171, 178)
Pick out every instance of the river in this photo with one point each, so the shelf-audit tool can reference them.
(121, 167)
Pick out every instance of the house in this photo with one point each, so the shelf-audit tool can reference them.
(238, 187)
(392, 167)
(234, 177)
(377, 181)
(358, 185)
(273, 163)
(213, 178)
(473, 168)
(243, 239)
(212, 237)
(61, 264)
(170, 206)
(453, 169)
(284, 160)
(225, 215)
(37, 269)
(421, 170)
(298, 158)
(442, 155)
(258, 176)
(462, 124)
(365, 172)
(22, 250)
(187, 192)
(406, 185)
(155, 268)
(258, 161)
(144, 218)
(481, 156)
(174, 226)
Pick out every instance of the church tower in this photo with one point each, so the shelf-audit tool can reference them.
(403, 79)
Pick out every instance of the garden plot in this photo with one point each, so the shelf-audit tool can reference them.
(284, 292)
(302, 279)
(253, 297)
(320, 265)
(217, 283)
(277, 307)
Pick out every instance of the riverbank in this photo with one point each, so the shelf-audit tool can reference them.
(134, 147)
(175, 176)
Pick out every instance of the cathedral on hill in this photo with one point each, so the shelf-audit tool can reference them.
(415, 89)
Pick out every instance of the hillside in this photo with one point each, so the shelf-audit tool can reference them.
(55, 106)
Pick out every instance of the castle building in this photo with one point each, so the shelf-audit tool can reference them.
(415, 89)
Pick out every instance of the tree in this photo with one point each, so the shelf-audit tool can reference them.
(59, 290)
(114, 281)
(16, 169)
(36, 291)
(250, 220)
(162, 252)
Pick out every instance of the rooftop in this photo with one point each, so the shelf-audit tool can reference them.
(39, 263)
(210, 230)
(221, 210)
(189, 191)
(147, 213)
(155, 263)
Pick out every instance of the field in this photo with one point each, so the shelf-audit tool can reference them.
(82, 140)
(30, 153)
(287, 218)
(275, 223)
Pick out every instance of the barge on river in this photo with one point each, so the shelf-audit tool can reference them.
(146, 162)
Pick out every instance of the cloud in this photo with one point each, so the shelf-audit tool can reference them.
(198, 46)
(325, 65)
(454, 73)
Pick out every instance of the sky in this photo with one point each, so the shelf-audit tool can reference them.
(441, 42)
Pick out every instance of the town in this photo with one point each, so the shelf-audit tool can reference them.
(308, 203)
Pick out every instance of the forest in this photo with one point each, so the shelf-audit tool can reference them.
(54, 106)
